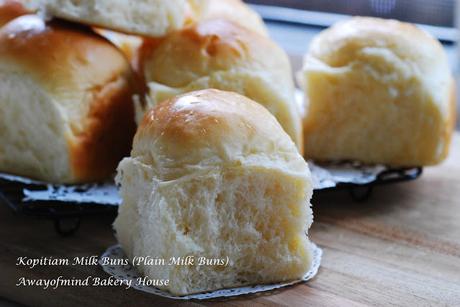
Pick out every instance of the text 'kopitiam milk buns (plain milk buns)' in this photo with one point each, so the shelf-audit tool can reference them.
(223, 55)
(151, 18)
(65, 95)
(213, 174)
(377, 91)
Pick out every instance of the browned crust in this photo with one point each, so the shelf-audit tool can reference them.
(110, 128)
(11, 9)
(74, 57)
(62, 43)
(211, 45)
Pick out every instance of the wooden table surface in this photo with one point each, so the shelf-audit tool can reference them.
(401, 247)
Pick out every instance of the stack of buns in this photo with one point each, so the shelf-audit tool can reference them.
(132, 22)
(221, 54)
(82, 94)
(211, 173)
(215, 168)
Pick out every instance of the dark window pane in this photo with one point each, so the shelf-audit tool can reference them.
(434, 12)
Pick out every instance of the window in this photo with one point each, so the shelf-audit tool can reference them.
(432, 12)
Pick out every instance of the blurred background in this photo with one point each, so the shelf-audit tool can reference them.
(432, 12)
(293, 22)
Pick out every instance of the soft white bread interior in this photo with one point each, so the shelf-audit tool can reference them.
(10, 9)
(223, 55)
(65, 95)
(212, 174)
(142, 17)
(377, 91)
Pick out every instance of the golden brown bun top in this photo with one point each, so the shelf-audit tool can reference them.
(209, 128)
(59, 55)
(383, 47)
(221, 54)
(342, 43)
(211, 45)
(72, 64)
(10, 9)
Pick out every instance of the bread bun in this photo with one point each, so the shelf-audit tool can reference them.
(10, 9)
(223, 55)
(142, 17)
(377, 91)
(212, 174)
(65, 96)
(151, 18)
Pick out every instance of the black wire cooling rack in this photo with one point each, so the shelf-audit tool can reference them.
(67, 216)
(361, 192)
